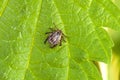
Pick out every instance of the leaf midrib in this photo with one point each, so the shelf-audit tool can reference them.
(67, 78)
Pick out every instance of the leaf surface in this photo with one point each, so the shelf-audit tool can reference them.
(23, 24)
(3, 4)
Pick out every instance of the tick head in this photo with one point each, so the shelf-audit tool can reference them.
(59, 32)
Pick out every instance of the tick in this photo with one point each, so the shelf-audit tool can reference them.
(55, 37)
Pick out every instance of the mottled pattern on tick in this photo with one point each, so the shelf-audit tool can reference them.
(55, 37)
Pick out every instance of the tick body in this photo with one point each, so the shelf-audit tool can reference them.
(55, 37)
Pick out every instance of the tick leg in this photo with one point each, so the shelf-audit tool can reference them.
(48, 32)
(60, 42)
(53, 46)
(55, 26)
(52, 29)
(46, 40)
(64, 35)
(63, 38)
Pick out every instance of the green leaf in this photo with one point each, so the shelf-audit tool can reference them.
(105, 13)
(23, 24)
(3, 4)
(116, 2)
